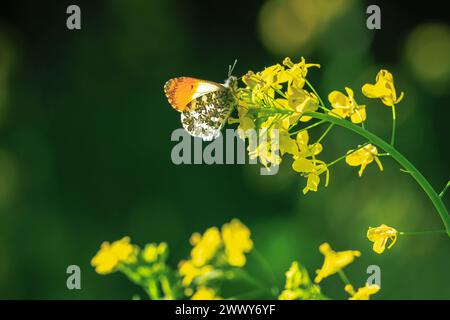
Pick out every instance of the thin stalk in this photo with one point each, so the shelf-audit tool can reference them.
(414, 233)
(308, 127)
(324, 133)
(405, 163)
(393, 125)
(344, 277)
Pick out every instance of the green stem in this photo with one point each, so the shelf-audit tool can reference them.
(317, 95)
(153, 290)
(324, 133)
(166, 288)
(414, 233)
(405, 163)
(308, 127)
(393, 126)
(344, 277)
(444, 190)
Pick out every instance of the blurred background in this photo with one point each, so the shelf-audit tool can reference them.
(85, 138)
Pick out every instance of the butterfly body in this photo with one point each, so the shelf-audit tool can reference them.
(204, 105)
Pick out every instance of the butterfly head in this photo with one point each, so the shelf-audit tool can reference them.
(232, 81)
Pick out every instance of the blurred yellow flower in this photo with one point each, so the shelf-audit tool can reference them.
(236, 238)
(380, 235)
(205, 247)
(298, 285)
(110, 255)
(204, 293)
(346, 106)
(189, 271)
(152, 251)
(363, 157)
(383, 88)
(363, 293)
(294, 277)
(334, 261)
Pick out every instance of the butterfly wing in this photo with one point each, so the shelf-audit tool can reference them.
(206, 115)
(181, 91)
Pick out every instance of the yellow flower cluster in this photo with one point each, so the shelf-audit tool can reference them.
(274, 102)
(277, 100)
(215, 250)
(111, 255)
(299, 286)
(217, 256)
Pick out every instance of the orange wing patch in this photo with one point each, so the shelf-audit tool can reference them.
(180, 91)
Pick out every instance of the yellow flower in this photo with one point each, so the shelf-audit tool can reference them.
(204, 293)
(334, 261)
(296, 72)
(383, 88)
(363, 157)
(380, 235)
(346, 106)
(295, 277)
(363, 293)
(306, 163)
(152, 251)
(312, 183)
(110, 255)
(189, 271)
(298, 285)
(236, 238)
(206, 247)
(246, 123)
(301, 101)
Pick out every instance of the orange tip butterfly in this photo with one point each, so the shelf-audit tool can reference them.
(204, 105)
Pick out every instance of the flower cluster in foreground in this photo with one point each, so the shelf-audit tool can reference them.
(217, 260)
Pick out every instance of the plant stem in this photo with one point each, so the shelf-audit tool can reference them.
(344, 277)
(444, 190)
(324, 133)
(315, 92)
(308, 127)
(405, 163)
(393, 125)
(414, 233)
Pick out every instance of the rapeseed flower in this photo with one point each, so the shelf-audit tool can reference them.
(380, 236)
(383, 89)
(334, 261)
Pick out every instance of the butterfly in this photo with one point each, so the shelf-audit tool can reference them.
(204, 105)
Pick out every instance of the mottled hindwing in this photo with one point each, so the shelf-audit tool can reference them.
(209, 113)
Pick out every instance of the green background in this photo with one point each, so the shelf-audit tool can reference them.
(85, 139)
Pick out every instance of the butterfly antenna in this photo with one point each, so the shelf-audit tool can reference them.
(231, 68)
